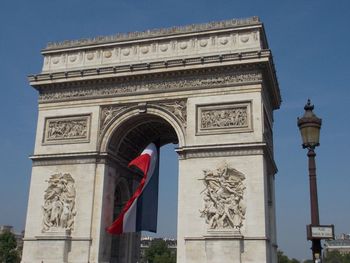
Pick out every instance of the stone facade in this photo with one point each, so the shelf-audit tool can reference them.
(340, 244)
(209, 88)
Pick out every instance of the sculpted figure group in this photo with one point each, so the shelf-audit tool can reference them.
(224, 207)
(66, 129)
(224, 118)
(59, 206)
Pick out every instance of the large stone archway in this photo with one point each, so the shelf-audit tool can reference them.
(209, 88)
(126, 135)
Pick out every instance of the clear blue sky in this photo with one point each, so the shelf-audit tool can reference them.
(309, 40)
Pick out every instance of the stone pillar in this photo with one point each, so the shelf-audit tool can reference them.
(205, 234)
(54, 246)
(59, 212)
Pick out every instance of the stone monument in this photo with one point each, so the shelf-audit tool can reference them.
(210, 88)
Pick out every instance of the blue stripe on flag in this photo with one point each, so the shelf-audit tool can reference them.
(147, 204)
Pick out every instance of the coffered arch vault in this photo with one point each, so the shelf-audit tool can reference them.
(137, 126)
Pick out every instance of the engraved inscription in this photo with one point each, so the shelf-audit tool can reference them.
(73, 129)
(59, 203)
(224, 206)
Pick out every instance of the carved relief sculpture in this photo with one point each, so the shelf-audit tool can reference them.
(108, 113)
(233, 117)
(222, 118)
(224, 206)
(59, 203)
(178, 108)
(66, 129)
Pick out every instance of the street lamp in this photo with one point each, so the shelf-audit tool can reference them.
(309, 126)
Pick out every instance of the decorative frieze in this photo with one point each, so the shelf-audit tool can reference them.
(149, 85)
(224, 206)
(233, 117)
(68, 129)
(59, 203)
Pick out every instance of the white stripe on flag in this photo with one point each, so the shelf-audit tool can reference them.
(129, 220)
(151, 150)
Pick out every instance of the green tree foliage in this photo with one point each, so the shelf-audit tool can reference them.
(8, 251)
(284, 259)
(336, 257)
(158, 252)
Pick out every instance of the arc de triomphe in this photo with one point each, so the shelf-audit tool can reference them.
(210, 88)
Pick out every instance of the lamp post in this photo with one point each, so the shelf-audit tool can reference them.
(309, 126)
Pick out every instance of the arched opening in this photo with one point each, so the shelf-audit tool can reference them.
(126, 142)
(121, 196)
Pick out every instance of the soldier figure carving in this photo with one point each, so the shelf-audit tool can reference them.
(59, 207)
(224, 207)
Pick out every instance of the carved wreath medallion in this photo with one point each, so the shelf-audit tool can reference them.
(59, 203)
(224, 206)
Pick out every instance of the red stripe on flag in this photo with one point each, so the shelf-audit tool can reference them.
(142, 162)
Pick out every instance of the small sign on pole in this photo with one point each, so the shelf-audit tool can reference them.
(320, 232)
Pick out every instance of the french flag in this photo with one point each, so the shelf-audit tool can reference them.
(140, 212)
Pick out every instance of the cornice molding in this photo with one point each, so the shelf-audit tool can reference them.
(232, 23)
(46, 79)
(68, 158)
(66, 155)
(78, 158)
(123, 79)
(233, 236)
(152, 50)
(55, 237)
(223, 150)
